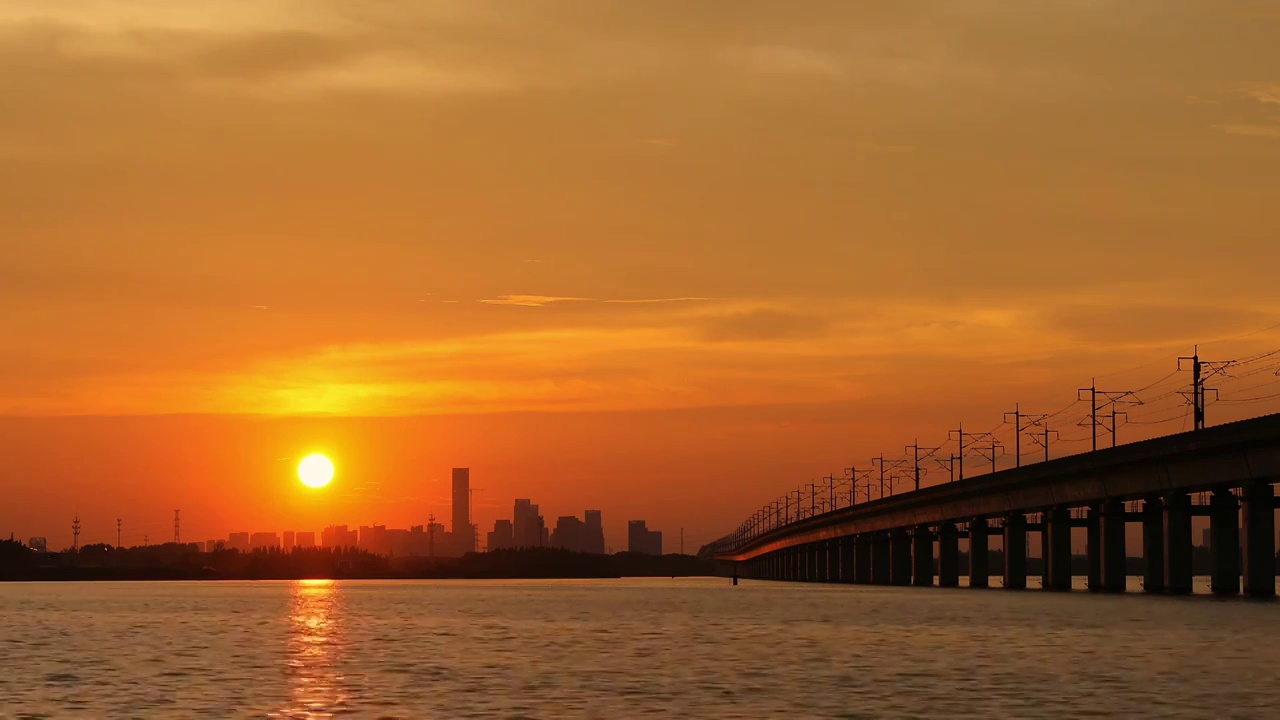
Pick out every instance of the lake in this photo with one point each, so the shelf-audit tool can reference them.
(693, 648)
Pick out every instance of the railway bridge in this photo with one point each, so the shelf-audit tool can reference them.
(1155, 483)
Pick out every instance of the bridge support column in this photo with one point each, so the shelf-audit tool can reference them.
(1224, 542)
(948, 555)
(1057, 558)
(979, 559)
(1093, 546)
(1015, 552)
(820, 551)
(922, 557)
(862, 559)
(833, 560)
(1114, 569)
(1044, 550)
(899, 557)
(1259, 540)
(1153, 545)
(880, 574)
(846, 558)
(1177, 543)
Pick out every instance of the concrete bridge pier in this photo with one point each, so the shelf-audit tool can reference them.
(922, 556)
(948, 555)
(1114, 570)
(899, 557)
(1224, 542)
(1044, 550)
(862, 559)
(1259, 540)
(820, 551)
(847, 551)
(1093, 546)
(833, 560)
(1177, 543)
(979, 560)
(1057, 556)
(1153, 545)
(880, 574)
(1015, 552)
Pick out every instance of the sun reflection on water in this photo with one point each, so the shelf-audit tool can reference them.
(315, 651)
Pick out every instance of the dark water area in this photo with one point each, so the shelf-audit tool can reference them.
(689, 648)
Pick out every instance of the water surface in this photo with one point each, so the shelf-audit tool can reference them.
(695, 648)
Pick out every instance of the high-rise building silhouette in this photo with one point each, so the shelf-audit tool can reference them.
(570, 533)
(464, 535)
(640, 539)
(529, 528)
(338, 536)
(288, 541)
(264, 541)
(238, 541)
(595, 532)
(305, 539)
(503, 535)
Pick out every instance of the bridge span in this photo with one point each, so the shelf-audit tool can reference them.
(893, 540)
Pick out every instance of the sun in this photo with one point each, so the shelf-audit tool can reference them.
(315, 470)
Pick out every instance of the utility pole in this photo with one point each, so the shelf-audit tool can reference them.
(949, 465)
(1093, 408)
(1110, 396)
(959, 435)
(994, 449)
(813, 499)
(75, 533)
(1018, 428)
(118, 524)
(1043, 439)
(831, 492)
(1201, 370)
(144, 540)
(853, 484)
(915, 449)
(883, 467)
(177, 527)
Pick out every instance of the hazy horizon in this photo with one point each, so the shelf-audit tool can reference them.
(667, 260)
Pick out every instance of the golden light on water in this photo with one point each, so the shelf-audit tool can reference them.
(315, 470)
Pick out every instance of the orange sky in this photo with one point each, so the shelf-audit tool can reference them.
(668, 259)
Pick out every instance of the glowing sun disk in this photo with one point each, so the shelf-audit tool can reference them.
(315, 470)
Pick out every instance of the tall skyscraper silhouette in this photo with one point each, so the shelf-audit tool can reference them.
(464, 535)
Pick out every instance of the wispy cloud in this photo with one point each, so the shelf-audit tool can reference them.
(530, 300)
(1262, 92)
(1197, 100)
(1255, 130)
(542, 300)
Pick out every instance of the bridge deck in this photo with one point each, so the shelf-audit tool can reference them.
(1231, 454)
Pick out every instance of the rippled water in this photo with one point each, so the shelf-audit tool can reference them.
(694, 648)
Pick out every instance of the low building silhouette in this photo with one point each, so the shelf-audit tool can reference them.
(640, 539)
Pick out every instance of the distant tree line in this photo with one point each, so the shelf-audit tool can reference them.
(172, 561)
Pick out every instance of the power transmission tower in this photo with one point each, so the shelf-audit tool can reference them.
(1043, 439)
(915, 449)
(75, 533)
(1201, 370)
(118, 524)
(177, 527)
(144, 540)
(1018, 428)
